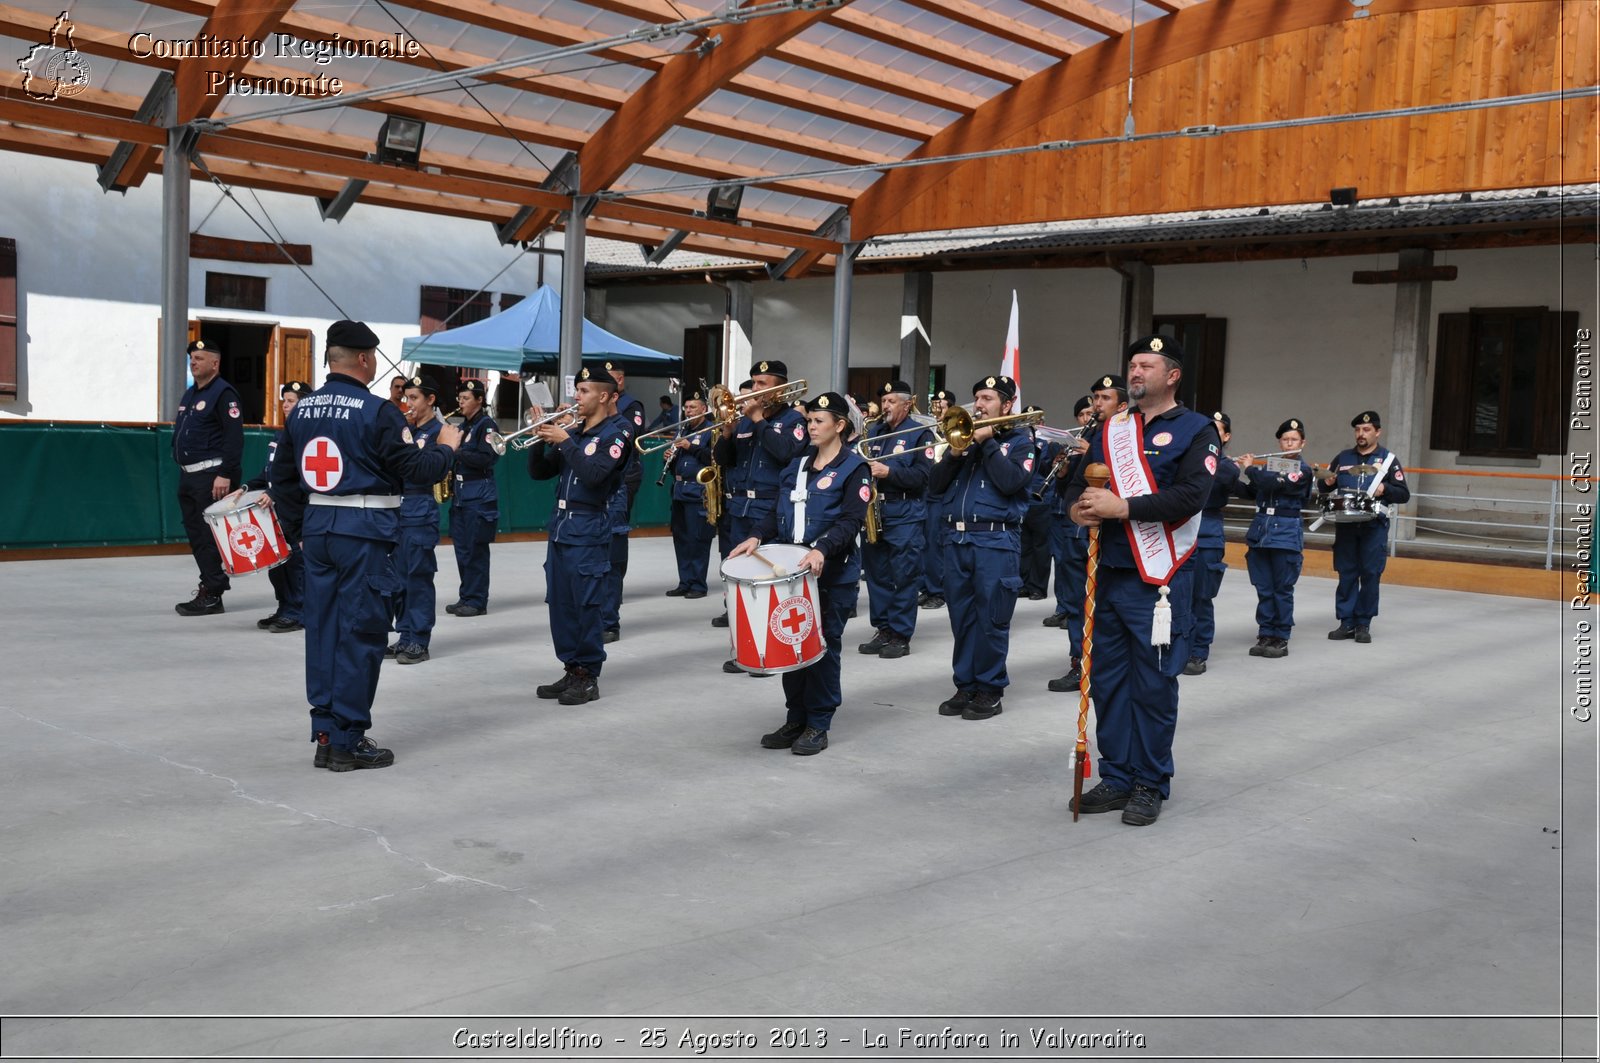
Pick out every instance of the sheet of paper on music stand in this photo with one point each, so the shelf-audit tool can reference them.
(538, 393)
(1283, 466)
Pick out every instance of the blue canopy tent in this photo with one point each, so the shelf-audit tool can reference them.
(527, 338)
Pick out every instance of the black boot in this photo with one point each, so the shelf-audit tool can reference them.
(551, 691)
(204, 603)
(364, 754)
(582, 689)
(1071, 681)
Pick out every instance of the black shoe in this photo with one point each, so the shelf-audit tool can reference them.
(692, 595)
(1275, 648)
(611, 635)
(1260, 648)
(677, 592)
(1363, 635)
(471, 610)
(1340, 633)
(1143, 807)
(283, 625)
(453, 608)
(550, 691)
(320, 758)
(204, 603)
(933, 601)
(982, 706)
(731, 667)
(267, 621)
(956, 705)
(721, 621)
(1037, 596)
(895, 648)
(364, 754)
(1073, 680)
(851, 615)
(412, 654)
(922, 599)
(783, 737)
(583, 689)
(880, 639)
(810, 743)
(1103, 798)
(1195, 667)
(1055, 620)
(389, 652)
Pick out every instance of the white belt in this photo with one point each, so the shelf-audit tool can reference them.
(209, 463)
(357, 501)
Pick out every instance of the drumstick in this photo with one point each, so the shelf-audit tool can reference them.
(777, 570)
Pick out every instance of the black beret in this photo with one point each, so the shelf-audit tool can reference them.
(1293, 424)
(424, 385)
(771, 367)
(944, 395)
(1109, 382)
(748, 385)
(596, 373)
(1081, 405)
(1165, 346)
(352, 335)
(1225, 421)
(829, 402)
(1004, 386)
(1033, 409)
(694, 396)
(199, 345)
(1367, 417)
(474, 387)
(295, 386)
(895, 387)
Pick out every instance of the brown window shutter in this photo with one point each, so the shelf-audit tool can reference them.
(297, 344)
(435, 308)
(1452, 382)
(8, 318)
(1554, 381)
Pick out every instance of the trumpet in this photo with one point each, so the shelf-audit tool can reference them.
(659, 439)
(520, 439)
(956, 426)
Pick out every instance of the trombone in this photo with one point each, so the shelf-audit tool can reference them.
(659, 439)
(520, 439)
(956, 425)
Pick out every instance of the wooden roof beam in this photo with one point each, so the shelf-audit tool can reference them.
(1169, 6)
(979, 17)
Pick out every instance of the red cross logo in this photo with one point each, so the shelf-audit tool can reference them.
(792, 620)
(321, 465)
(246, 540)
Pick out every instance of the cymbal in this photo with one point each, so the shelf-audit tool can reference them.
(1360, 470)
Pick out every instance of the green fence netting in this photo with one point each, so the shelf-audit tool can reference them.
(77, 485)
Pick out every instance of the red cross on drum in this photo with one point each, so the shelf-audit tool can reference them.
(247, 533)
(774, 619)
(321, 464)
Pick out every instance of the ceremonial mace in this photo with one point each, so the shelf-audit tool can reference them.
(1095, 475)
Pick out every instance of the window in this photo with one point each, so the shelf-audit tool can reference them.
(8, 318)
(1500, 382)
(235, 291)
(447, 308)
(1204, 342)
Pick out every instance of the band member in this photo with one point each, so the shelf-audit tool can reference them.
(899, 467)
(415, 559)
(765, 439)
(207, 444)
(1036, 522)
(475, 505)
(349, 452)
(289, 578)
(725, 539)
(984, 494)
(1209, 566)
(691, 534)
(1361, 549)
(1149, 519)
(587, 460)
(824, 511)
(932, 596)
(1276, 538)
(1108, 396)
(630, 412)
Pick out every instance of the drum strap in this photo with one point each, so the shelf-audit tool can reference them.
(1383, 470)
(799, 500)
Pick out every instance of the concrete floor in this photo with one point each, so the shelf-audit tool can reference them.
(1354, 831)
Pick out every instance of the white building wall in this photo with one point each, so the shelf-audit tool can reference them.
(89, 279)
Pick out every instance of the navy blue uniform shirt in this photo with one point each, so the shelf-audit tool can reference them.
(685, 464)
(836, 507)
(988, 483)
(210, 426)
(756, 454)
(589, 465)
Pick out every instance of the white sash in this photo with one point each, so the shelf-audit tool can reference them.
(798, 497)
(1158, 549)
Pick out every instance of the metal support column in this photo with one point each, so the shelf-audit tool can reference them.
(738, 333)
(843, 269)
(1408, 372)
(916, 341)
(572, 299)
(174, 358)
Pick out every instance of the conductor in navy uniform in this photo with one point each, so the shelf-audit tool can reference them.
(207, 444)
(350, 453)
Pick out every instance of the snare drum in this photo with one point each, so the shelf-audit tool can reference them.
(247, 532)
(1348, 505)
(775, 622)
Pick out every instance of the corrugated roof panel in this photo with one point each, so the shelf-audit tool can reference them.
(850, 92)
(789, 119)
(876, 54)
